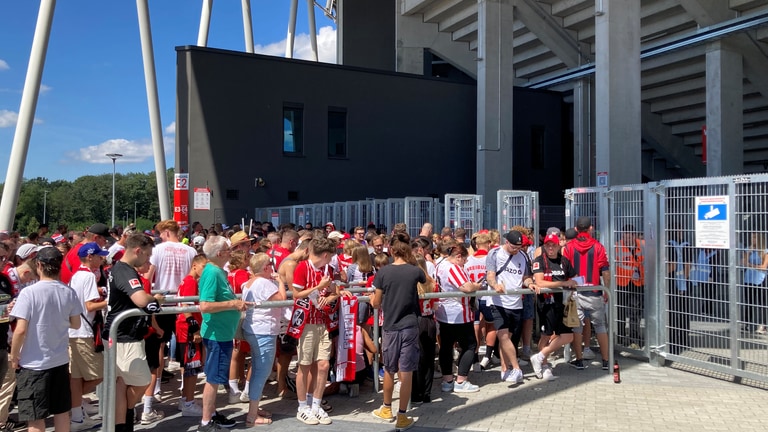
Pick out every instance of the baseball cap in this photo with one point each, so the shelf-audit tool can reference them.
(43, 240)
(514, 237)
(335, 235)
(99, 229)
(91, 248)
(198, 240)
(553, 230)
(238, 238)
(50, 255)
(24, 251)
(552, 238)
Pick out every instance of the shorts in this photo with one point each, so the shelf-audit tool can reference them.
(528, 306)
(507, 319)
(43, 393)
(181, 351)
(217, 358)
(152, 346)
(167, 322)
(486, 312)
(594, 308)
(132, 364)
(286, 345)
(401, 350)
(84, 362)
(551, 318)
(314, 344)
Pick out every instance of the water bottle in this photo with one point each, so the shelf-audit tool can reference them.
(616, 372)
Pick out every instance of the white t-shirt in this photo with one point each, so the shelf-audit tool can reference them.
(84, 284)
(512, 277)
(47, 307)
(172, 261)
(260, 321)
(115, 248)
(431, 269)
(453, 310)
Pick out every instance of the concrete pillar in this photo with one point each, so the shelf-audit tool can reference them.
(583, 133)
(618, 125)
(495, 80)
(725, 110)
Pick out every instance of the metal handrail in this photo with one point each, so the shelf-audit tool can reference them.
(108, 415)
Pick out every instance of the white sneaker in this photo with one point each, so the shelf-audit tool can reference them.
(244, 397)
(588, 354)
(536, 362)
(322, 416)
(548, 375)
(505, 374)
(91, 409)
(85, 424)
(193, 410)
(151, 417)
(515, 376)
(305, 415)
(234, 398)
(465, 387)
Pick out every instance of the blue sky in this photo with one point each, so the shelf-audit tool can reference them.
(93, 97)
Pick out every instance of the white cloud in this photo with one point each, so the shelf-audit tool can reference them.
(302, 49)
(8, 118)
(4, 65)
(171, 128)
(133, 151)
(45, 89)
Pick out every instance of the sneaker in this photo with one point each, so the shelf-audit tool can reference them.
(515, 376)
(192, 410)
(234, 398)
(158, 397)
(548, 375)
(244, 397)
(578, 364)
(305, 415)
(588, 354)
(85, 424)
(212, 426)
(354, 390)
(484, 363)
(91, 408)
(151, 417)
(605, 365)
(403, 422)
(536, 361)
(465, 387)
(446, 387)
(476, 367)
(222, 420)
(384, 413)
(322, 416)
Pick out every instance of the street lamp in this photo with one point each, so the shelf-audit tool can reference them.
(125, 224)
(45, 201)
(134, 211)
(114, 157)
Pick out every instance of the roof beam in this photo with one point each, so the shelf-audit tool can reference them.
(551, 33)
(660, 137)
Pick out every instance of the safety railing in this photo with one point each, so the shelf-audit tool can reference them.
(110, 351)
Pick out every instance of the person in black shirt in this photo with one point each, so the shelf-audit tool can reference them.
(126, 292)
(551, 270)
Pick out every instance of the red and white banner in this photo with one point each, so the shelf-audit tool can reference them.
(181, 199)
(345, 348)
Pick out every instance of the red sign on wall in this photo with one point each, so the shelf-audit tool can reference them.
(181, 199)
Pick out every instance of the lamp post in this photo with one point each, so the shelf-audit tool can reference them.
(125, 223)
(114, 157)
(134, 211)
(45, 201)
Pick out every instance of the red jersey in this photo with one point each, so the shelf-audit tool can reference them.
(236, 280)
(306, 276)
(70, 265)
(187, 288)
(277, 254)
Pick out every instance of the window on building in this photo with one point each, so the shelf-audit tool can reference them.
(337, 133)
(538, 138)
(293, 130)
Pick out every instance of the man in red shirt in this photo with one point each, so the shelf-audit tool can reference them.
(98, 233)
(287, 245)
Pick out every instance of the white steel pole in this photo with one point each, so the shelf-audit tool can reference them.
(205, 23)
(247, 26)
(29, 95)
(312, 28)
(45, 202)
(147, 53)
(114, 157)
(291, 29)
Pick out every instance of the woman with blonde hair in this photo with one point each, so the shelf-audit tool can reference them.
(260, 328)
(425, 370)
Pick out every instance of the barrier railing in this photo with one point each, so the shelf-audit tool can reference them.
(110, 351)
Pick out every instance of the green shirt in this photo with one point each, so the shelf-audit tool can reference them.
(213, 285)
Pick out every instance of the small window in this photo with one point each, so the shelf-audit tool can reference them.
(233, 194)
(538, 138)
(293, 130)
(337, 133)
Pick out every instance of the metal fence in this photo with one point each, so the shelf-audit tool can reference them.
(464, 211)
(518, 208)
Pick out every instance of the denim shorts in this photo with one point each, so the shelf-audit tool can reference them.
(401, 350)
(217, 358)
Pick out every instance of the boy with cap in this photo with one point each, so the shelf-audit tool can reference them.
(86, 365)
(507, 268)
(44, 311)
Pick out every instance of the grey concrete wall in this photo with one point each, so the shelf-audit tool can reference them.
(407, 135)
